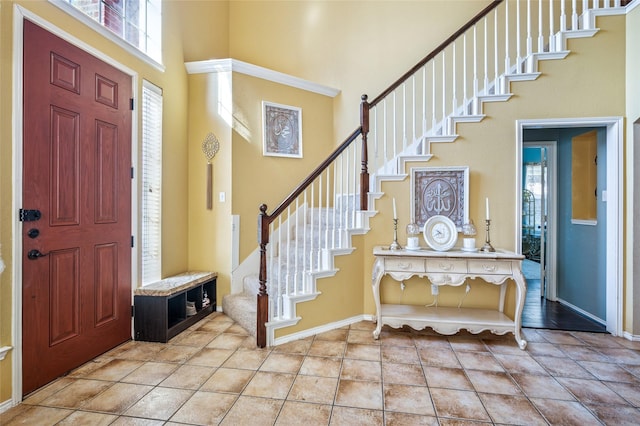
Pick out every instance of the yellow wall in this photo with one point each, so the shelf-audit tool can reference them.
(261, 179)
(209, 230)
(343, 44)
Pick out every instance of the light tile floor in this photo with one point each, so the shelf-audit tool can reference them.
(213, 374)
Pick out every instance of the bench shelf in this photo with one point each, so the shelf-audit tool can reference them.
(160, 309)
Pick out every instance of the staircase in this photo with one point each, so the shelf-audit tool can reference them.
(300, 238)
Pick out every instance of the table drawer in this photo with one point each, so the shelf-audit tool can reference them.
(489, 267)
(404, 265)
(447, 265)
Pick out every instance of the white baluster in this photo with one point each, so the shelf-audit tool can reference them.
(563, 15)
(574, 15)
(529, 36)
(376, 145)
(454, 81)
(350, 175)
(433, 96)
(475, 61)
(288, 261)
(404, 115)
(496, 71)
(444, 91)
(507, 36)
(413, 111)
(465, 98)
(320, 227)
(327, 224)
(297, 251)
(395, 134)
(540, 31)
(278, 295)
(335, 203)
(356, 204)
(518, 38)
(312, 222)
(552, 38)
(424, 105)
(486, 60)
(343, 190)
(384, 134)
(305, 237)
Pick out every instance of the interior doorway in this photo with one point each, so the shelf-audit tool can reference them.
(539, 243)
(541, 235)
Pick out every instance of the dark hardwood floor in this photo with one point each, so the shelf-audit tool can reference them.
(539, 312)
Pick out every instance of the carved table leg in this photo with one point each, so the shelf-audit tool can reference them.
(521, 290)
(376, 276)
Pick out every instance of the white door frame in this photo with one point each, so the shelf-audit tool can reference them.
(614, 200)
(19, 15)
(551, 239)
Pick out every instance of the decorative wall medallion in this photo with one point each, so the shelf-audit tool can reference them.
(440, 191)
(282, 130)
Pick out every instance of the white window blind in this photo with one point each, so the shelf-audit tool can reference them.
(151, 182)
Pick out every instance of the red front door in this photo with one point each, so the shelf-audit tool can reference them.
(76, 280)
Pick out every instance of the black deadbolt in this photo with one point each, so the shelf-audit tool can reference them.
(33, 233)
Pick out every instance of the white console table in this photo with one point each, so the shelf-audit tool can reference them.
(450, 268)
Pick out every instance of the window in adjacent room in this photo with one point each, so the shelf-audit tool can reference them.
(584, 176)
(139, 22)
(151, 183)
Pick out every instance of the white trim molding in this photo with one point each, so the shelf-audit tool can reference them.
(234, 65)
(615, 187)
(321, 329)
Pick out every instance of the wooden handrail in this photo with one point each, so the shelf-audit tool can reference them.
(265, 220)
(313, 175)
(484, 12)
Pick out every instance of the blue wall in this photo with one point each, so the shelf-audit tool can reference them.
(581, 263)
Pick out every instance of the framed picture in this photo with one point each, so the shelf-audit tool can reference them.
(440, 191)
(281, 130)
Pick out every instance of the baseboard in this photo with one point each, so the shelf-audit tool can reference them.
(583, 312)
(322, 329)
(632, 337)
(4, 406)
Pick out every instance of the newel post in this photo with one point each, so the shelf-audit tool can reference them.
(263, 296)
(364, 172)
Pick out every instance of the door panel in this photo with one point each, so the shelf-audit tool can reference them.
(76, 171)
(65, 176)
(64, 315)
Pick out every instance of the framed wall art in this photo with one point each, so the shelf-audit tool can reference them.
(281, 130)
(440, 191)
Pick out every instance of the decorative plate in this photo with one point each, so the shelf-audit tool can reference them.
(440, 233)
